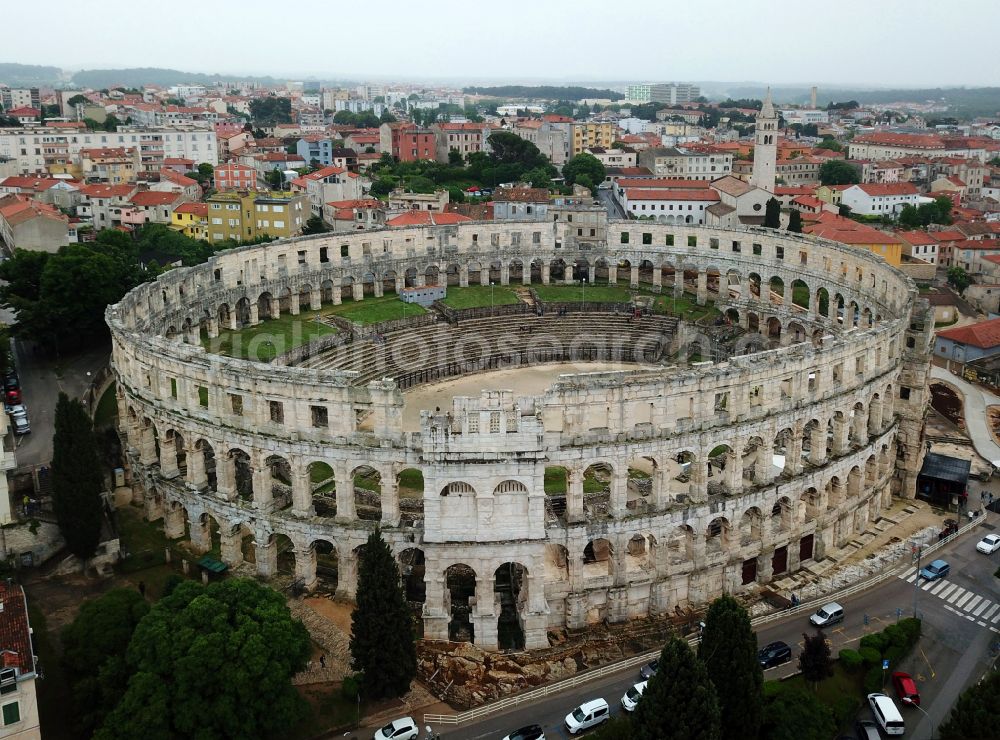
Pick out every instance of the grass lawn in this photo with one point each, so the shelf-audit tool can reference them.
(411, 480)
(375, 310)
(843, 692)
(107, 409)
(480, 295)
(684, 306)
(270, 337)
(555, 482)
(576, 294)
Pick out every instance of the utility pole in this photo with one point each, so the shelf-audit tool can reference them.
(916, 580)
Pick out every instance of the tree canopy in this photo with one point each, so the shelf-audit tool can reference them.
(383, 648)
(976, 714)
(728, 648)
(795, 221)
(796, 715)
(680, 702)
(76, 478)
(958, 278)
(584, 164)
(270, 110)
(772, 213)
(839, 172)
(94, 646)
(937, 212)
(210, 662)
(814, 660)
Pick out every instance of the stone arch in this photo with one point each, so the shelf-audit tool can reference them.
(774, 328)
(734, 285)
(642, 479)
(822, 302)
(598, 557)
(680, 545)
(754, 283)
(800, 294)
(515, 271)
(681, 469)
(204, 448)
(796, 332)
(305, 294)
(717, 536)
(460, 586)
(510, 588)
(453, 274)
(510, 501)
(432, 275)
(776, 290)
(367, 482)
(535, 269)
(557, 269)
(645, 271)
(640, 553)
(224, 316)
(811, 501)
(753, 323)
(347, 288)
(389, 278)
(601, 271)
(410, 277)
(758, 461)
(264, 303)
(732, 317)
(279, 480)
(323, 487)
(327, 564)
(412, 568)
(328, 291)
(781, 515)
(285, 300)
(751, 526)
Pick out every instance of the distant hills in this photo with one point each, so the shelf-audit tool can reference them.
(29, 75)
(139, 76)
(544, 92)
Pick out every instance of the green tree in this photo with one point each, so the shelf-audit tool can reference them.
(830, 143)
(270, 110)
(315, 225)
(111, 123)
(383, 648)
(680, 702)
(455, 158)
(772, 213)
(909, 216)
(77, 100)
(795, 221)
(728, 648)
(213, 661)
(584, 164)
(94, 646)
(76, 478)
(839, 172)
(275, 179)
(796, 715)
(958, 278)
(617, 728)
(976, 714)
(814, 660)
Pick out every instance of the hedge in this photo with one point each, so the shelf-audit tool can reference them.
(850, 659)
(870, 656)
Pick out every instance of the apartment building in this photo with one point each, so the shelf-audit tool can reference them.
(28, 224)
(551, 138)
(662, 92)
(406, 141)
(589, 135)
(191, 219)
(18, 696)
(687, 164)
(330, 184)
(235, 177)
(464, 138)
(246, 215)
(101, 204)
(111, 165)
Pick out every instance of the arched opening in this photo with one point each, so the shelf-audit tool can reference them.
(510, 501)
(224, 316)
(264, 302)
(411, 569)
(556, 487)
(601, 271)
(368, 281)
(774, 328)
(327, 290)
(389, 282)
(714, 283)
(754, 281)
(625, 272)
(204, 448)
(475, 273)
(510, 584)
(326, 565)
(783, 462)
(536, 270)
(243, 312)
(284, 553)
(796, 332)
(515, 271)
(597, 487)
(324, 488)
(598, 558)
(639, 488)
(432, 275)
(753, 323)
(800, 294)
(757, 461)
(243, 474)
(346, 288)
(285, 300)
(367, 493)
(646, 272)
(305, 297)
(410, 486)
(734, 286)
(717, 536)
(823, 302)
(640, 554)
(750, 526)
(680, 546)
(811, 500)
(460, 583)
(776, 290)
(410, 277)
(557, 269)
(719, 457)
(280, 480)
(680, 469)
(453, 274)
(732, 317)
(781, 516)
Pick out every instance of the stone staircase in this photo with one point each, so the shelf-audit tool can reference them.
(331, 641)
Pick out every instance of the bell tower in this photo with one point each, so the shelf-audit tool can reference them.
(765, 149)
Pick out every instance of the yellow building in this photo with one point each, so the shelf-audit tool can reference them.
(831, 193)
(191, 219)
(588, 135)
(244, 216)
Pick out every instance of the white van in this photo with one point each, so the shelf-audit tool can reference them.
(587, 715)
(886, 714)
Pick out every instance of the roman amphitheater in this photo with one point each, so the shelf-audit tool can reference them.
(649, 461)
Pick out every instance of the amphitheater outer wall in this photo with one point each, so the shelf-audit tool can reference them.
(843, 410)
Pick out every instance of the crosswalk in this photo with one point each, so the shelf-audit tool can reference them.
(963, 602)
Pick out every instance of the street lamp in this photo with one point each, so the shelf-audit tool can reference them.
(583, 293)
(919, 545)
(491, 297)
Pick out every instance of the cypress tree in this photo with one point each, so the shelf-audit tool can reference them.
(814, 660)
(772, 214)
(76, 478)
(795, 221)
(729, 651)
(382, 641)
(680, 701)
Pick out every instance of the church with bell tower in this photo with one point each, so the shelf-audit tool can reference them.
(765, 148)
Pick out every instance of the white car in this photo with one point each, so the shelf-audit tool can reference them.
(399, 729)
(631, 699)
(989, 544)
(587, 715)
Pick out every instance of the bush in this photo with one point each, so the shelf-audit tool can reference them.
(876, 641)
(350, 687)
(873, 679)
(895, 654)
(871, 657)
(845, 709)
(850, 659)
(897, 636)
(911, 627)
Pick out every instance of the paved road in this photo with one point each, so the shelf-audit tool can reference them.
(961, 617)
(976, 401)
(614, 210)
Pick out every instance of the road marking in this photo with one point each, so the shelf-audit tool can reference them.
(929, 666)
(951, 587)
(982, 607)
(927, 586)
(960, 596)
(968, 607)
(911, 578)
(989, 614)
(938, 587)
(980, 623)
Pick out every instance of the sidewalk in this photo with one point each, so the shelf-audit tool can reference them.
(976, 400)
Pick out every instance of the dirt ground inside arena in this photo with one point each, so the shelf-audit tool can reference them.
(523, 381)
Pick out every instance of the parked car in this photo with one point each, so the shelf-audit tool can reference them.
(989, 544)
(906, 688)
(649, 670)
(11, 381)
(529, 732)
(631, 699)
(403, 728)
(827, 615)
(774, 654)
(20, 424)
(587, 715)
(886, 714)
(937, 569)
(12, 396)
(867, 730)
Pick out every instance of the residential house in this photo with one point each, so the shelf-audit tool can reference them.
(740, 203)
(18, 694)
(330, 184)
(191, 219)
(587, 135)
(354, 215)
(919, 244)
(25, 116)
(969, 253)
(148, 206)
(230, 137)
(56, 192)
(510, 204)
(180, 165)
(401, 200)
(28, 224)
(362, 140)
(949, 185)
(267, 162)
(868, 199)
(100, 203)
(244, 216)
(857, 235)
(233, 176)
(965, 344)
(832, 194)
(880, 171)
(892, 145)
(799, 170)
(170, 181)
(114, 165)
(614, 157)
(550, 136)
(315, 149)
(407, 142)
(686, 164)
(464, 138)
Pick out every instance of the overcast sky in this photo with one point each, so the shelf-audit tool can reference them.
(859, 42)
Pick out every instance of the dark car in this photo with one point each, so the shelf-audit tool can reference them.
(906, 688)
(649, 670)
(867, 730)
(530, 732)
(774, 654)
(10, 382)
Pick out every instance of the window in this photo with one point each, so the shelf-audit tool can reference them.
(536, 237)
(692, 241)
(624, 237)
(203, 396)
(8, 681)
(904, 393)
(277, 410)
(173, 387)
(647, 238)
(670, 240)
(779, 253)
(277, 224)
(320, 416)
(713, 243)
(473, 423)
(343, 251)
(495, 422)
(236, 404)
(11, 713)
(324, 254)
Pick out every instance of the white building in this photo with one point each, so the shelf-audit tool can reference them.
(805, 116)
(18, 696)
(669, 206)
(886, 199)
(684, 163)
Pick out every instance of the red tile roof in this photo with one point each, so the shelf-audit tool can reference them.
(357, 203)
(176, 177)
(889, 188)
(977, 244)
(915, 141)
(178, 160)
(15, 209)
(641, 194)
(198, 209)
(426, 218)
(36, 184)
(663, 182)
(15, 631)
(148, 198)
(24, 112)
(917, 238)
(107, 191)
(949, 235)
(985, 334)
